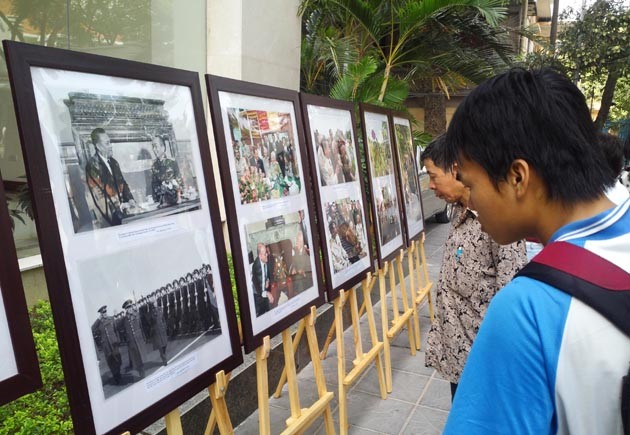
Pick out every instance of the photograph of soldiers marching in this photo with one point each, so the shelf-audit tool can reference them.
(137, 337)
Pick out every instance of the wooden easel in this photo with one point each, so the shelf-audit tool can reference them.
(424, 283)
(301, 418)
(362, 360)
(400, 319)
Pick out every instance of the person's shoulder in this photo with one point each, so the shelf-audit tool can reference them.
(528, 294)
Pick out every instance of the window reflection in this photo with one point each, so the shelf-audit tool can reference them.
(142, 30)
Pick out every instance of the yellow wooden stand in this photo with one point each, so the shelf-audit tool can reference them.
(399, 320)
(362, 360)
(301, 418)
(219, 414)
(424, 283)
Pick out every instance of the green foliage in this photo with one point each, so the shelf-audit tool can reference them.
(46, 411)
(594, 50)
(233, 284)
(377, 50)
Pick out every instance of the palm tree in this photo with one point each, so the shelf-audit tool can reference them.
(379, 49)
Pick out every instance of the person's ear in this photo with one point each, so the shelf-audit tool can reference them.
(519, 176)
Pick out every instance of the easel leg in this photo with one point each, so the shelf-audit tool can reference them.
(262, 353)
(212, 420)
(283, 376)
(311, 337)
(385, 324)
(412, 289)
(426, 276)
(173, 423)
(329, 338)
(407, 311)
(219, 407)
(341, 362)
(289, 365)
(366, 286)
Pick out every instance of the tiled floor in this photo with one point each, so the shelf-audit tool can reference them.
(419, 402)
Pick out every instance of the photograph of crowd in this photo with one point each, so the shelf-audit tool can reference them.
(141, 335)
(388, 214)
(346, 233)
(380, 150)
(279, 260)
(336, 159)
(125, 162)
(408, 174)
(265, 154)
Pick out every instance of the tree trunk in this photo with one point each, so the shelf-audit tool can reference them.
(607, 98)
(435, 114)
(554, 25)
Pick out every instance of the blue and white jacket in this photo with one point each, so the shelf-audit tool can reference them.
(544, 362)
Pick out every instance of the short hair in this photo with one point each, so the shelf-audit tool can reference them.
(626, 148)
(540, 117)
(613, 150)
(95, 133)
(435, 152)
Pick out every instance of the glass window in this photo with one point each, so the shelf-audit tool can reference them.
(153, 31)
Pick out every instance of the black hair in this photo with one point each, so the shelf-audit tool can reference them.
(435, 152)
(540, 117)
(95, 133)
(626, 149)
(613, 149)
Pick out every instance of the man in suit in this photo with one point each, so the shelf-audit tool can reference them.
(104, 332)
(109, 190)
(261, 281)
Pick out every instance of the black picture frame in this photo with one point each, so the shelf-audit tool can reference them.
(178, 235)
(328, 114)
(21, 375)
(265, 120)
(383, 181)
(407, 173)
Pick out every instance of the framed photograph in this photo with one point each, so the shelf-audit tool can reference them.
(339, 191)
(19, 369)
(119, 168)
(378, 143)
(266, 187)
(408, 176)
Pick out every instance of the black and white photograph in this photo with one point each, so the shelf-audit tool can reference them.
(19, 369)
(340, 191)
(125, 157)
(128, 219)
(408, 178)
(280, 261)
(271, 221)
(145, 317)
(385, 201)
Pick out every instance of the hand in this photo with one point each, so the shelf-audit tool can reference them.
(270, 297)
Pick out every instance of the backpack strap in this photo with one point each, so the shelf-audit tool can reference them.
(597, 282)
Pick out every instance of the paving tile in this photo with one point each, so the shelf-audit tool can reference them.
(371, 412)
(402, 360)
(426, 421)
(438, 395)
(405, 386)
(308, 395)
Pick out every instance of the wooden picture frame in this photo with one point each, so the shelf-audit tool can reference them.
(383, 181)
(407, 172)
(19, 367)
(266, 183)
(87, 126)
(339, 191)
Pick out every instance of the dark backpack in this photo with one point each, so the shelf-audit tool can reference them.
(597, 282)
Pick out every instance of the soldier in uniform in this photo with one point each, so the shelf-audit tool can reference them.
(134, 336)
(104, 332)
(167, 183)
(158, 330)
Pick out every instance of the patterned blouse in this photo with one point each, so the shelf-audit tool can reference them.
(474, 268)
